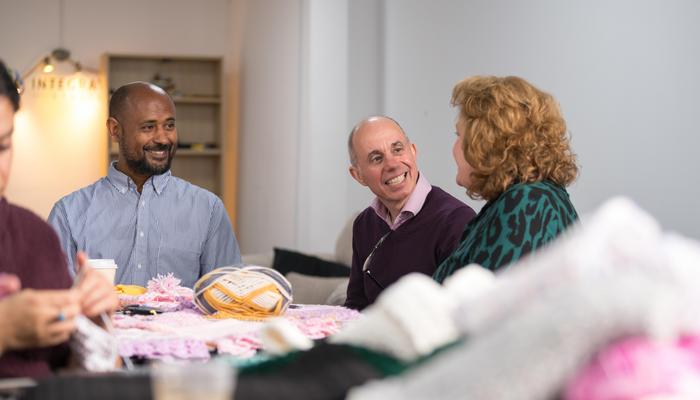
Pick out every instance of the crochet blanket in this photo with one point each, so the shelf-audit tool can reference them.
(188, 334)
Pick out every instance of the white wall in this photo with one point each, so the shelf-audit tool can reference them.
(366, 77)
(321, 191)
(269, 125)
(625, 73)
(298, 90)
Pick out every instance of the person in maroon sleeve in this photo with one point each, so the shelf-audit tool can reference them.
(37, 301)
(411, 226)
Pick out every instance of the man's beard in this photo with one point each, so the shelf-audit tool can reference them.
(142, 166)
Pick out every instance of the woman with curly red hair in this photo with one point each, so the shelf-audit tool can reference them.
(513, 151)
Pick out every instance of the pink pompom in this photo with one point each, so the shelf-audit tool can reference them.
(167, 287)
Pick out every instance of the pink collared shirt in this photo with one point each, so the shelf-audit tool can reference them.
(410, 209)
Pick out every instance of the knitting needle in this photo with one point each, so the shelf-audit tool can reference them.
(106, 320)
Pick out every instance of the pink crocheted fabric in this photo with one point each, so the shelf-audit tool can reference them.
(164, 349)
(164, 292)
(640, 368)
(188, 334)
(320, 321)
(243, 346)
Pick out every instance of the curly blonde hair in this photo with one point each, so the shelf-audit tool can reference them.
(514, 134)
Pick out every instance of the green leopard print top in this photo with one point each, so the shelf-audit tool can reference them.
(521, 219)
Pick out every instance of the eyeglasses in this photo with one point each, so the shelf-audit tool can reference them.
(365, 265)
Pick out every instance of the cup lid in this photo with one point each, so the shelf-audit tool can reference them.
(102, 263)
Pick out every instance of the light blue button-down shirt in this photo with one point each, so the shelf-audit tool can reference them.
(171, 226)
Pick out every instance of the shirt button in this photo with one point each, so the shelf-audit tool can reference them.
(141, 234)
(138, 266)
(143, 203)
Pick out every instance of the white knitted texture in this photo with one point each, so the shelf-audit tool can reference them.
(469, 283)
(94, 348)
(410, 319)
(280, 337)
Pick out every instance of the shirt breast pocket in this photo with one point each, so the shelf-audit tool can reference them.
(182, 262)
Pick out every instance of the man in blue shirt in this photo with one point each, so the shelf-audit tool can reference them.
(149, 221)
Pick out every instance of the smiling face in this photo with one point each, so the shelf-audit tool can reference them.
(464, 170)
(7, 115)
(146, 133)
(385, 162)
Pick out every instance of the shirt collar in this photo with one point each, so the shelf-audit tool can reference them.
(412, 207)
(122, 182)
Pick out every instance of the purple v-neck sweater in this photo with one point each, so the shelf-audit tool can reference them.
(418, 245)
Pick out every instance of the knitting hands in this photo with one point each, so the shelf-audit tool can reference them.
(97, 295)
(35, 318)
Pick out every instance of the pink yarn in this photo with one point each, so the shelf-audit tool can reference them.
(166, 288)
(320, 321)
(638, 368)
(164, 349)
(166, 322)
(188, 333)
(163, 292)
(338, 314)
(243, 346)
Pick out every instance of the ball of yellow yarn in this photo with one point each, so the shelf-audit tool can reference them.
(250, 293)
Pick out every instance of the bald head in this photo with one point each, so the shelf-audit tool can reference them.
(376, 121)
(123, 97)
(142, 121)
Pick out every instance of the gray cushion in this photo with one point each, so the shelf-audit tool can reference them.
(308, 289)
(339, 294)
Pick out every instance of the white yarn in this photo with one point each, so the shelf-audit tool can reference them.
(280, 337)
(94, 348)
(468, 283)
(410, 319)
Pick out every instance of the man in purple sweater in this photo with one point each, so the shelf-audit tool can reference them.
(410, 226)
